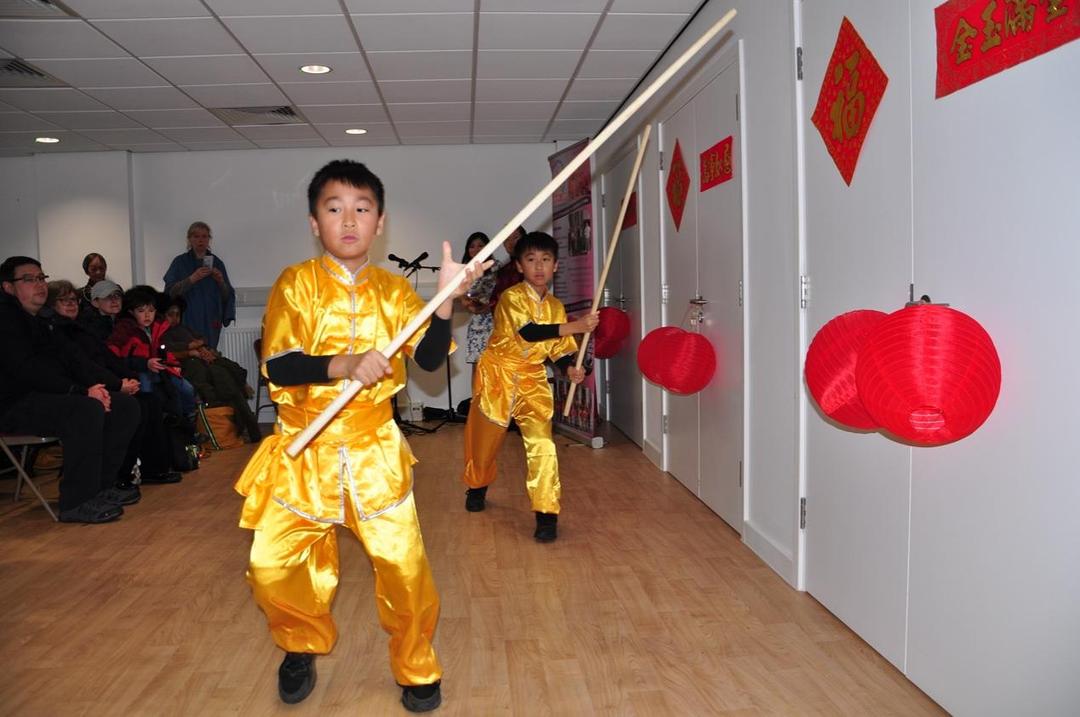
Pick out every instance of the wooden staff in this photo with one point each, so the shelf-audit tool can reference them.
(643, 142)
(305, 436)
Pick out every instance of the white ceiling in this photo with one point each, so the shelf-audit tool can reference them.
(141, 75)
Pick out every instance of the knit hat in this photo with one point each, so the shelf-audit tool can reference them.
(104, 288)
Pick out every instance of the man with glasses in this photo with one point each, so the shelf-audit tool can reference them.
(44, 390)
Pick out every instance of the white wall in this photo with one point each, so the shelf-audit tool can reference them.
(773, 370)
(18, 207)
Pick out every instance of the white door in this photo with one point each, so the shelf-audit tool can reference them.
(624, 397)
(720, 257)
(858, 256)
(682, 440)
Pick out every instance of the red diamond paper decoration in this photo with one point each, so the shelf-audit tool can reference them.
(678, 186)
(850, 94)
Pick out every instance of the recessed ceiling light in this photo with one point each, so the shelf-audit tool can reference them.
(46, 140)
(315, 69)
(356, 131)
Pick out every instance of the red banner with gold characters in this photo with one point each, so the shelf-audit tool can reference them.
(850, 94)
(979, 38)
(678, 186)
(716, 167)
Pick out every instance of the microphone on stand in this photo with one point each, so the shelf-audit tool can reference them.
(402, 264)
(415, 263)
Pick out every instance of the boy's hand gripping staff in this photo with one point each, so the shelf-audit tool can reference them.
(643, 142)
(305, 436)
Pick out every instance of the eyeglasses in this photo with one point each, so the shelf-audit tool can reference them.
(32, 278)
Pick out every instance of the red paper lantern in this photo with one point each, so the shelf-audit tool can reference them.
(928, 374)
(690, 362)
(830, 367)
(651, 353)
(611, 332)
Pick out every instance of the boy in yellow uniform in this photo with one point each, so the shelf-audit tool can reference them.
(325, 319)
(511, 382)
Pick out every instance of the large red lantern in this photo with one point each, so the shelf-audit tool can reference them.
(691, 362)
(830, 367)
(611, 332)
(928, 374)
(650, 353)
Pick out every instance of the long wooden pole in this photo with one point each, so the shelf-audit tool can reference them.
(643, 143)
(305, 436)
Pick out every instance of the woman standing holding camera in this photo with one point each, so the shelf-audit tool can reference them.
(201, 278)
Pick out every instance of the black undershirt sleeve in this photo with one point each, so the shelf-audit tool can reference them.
(539, 332)
(297, 368)
(432, 349)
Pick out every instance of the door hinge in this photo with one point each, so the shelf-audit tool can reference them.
(740, 292)
(802, 513)
(664, 424)
(798, 63)
(804, 291)
(661, 160)
(740, 474)
(603, 201)
(664, 293)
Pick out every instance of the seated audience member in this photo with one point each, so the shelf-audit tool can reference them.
(219, 381)
(95, 267)
(149, 445)
(136, 337)
(44, 390)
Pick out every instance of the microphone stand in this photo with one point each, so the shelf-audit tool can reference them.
(408, 427)
(452, 415)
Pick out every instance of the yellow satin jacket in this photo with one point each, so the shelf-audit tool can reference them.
(320, 308)
(512, 368)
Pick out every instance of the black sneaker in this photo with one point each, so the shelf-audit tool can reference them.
(546, 527)
(474, 499)
(166, 477)
(94, 510)
(421, 698)
(121, 495)
(296, 677)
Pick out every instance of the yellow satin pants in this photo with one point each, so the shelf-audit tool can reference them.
(484, 437)
(294, 573)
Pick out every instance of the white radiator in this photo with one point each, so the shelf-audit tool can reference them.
(238, 343)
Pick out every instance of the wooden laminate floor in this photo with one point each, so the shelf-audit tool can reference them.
(647, 605)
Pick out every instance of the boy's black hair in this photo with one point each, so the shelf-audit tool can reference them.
(140, 295)
(536, 241)
(7, 269)
(348, 172)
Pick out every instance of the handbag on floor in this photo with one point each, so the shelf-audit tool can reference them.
(221, 426)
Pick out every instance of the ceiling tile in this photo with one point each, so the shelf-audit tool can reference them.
(286, 143)
(432, 129)
(428, 31)
(388, 6)
(515, 110)
(535, 31)
(143, 98)
(113, 137)
(330, 114)
(637, 32)
(274, 7)
(90, 120)
(586, 110)
(120, 72)
(360, 141)
(684, 6)
(585, 88)
(421, 65)
(186, 135)
(519, 90)
(451, 139)
(301, 33)
(594, 6)
(328, 93)
(45, 99)
(208, 69)
(236, 95)
(69, 142)
(107, 9)
(506, 139)
(259, 133)
(575, 127)
(236, 144)
(426, 90)
(176, 118)
(285, 67)
(155, 147)
(21, 121)
(171, 37)
(32, 39)
(335, 132)
(521, 64)
(430, 111)
(504, 127)
(617, 63)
